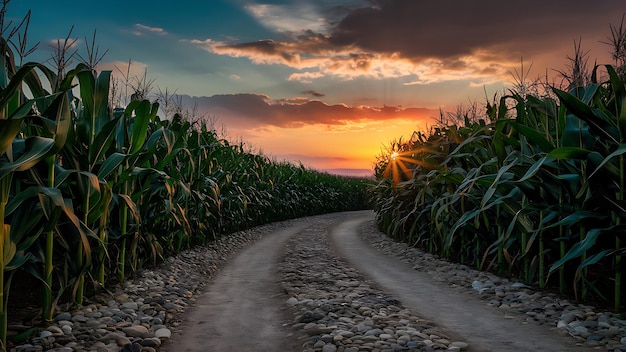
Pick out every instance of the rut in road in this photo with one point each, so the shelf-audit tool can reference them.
(244, 308)
(485, 328)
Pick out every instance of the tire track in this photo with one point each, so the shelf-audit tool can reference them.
(483, 327)
(243, 308)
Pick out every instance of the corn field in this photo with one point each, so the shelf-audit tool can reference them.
(534, 189)
(90, 194)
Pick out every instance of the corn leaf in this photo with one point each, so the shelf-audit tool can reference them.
(597, 120)
(579, 248)
(8, 131)
(144, 113)
(110, 164)
(620, 150)
(532, 135)
(30, 152)
(103, 141)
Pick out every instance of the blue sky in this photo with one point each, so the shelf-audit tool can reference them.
(326, 82)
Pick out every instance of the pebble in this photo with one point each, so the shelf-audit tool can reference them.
(136, 331)
(587, 325)
(163, 333)
(355, 315)
(340, 309)
(139, 315)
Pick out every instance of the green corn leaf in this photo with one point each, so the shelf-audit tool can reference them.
(34, 83)
(579, 248)
(622, 116)
(33, 150)
(25, 110)
(576, 133)
(161, 134)
(9, 92)
(532, 135)
(532, 171)
(6, 62)
(591, 260)
(590, 92)
(110, 164)
(103, 141)
(144, 113)
(576, 217)
(26, 217)
(8, 131)
(498, 140)
(492, 189)
(68, 81)
(83, 231)
(618, 85)
(101, 99)
(596, 119)
(619, 92)
(60, 120)
(620, 150)
(551, 213)
(574, 181)
(87, 84)
(54, 194)
(94, 92)
(19, 259)
(463, 220)
(64, 121)
(569, 153)
(105, 201)
(60, 175)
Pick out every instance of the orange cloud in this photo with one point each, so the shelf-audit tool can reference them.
(316, 61)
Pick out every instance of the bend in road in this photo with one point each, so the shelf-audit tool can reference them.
(481, 326)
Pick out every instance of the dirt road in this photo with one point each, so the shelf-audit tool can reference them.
(484, 327)
(243, 309)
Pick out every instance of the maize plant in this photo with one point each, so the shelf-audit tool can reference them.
(535, 189)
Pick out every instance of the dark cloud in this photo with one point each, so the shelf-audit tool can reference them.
(267, 47)
(256, 110)
(314, 93)
(452, 29)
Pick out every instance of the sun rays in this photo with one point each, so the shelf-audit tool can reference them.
(400, 164)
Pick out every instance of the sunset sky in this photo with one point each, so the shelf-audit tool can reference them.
(329, 82)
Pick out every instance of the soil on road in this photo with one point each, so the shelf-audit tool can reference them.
(244, 309)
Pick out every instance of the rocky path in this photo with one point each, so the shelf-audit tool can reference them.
(326, 283)
(243, 309)
(485, 328)
(336, 307)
